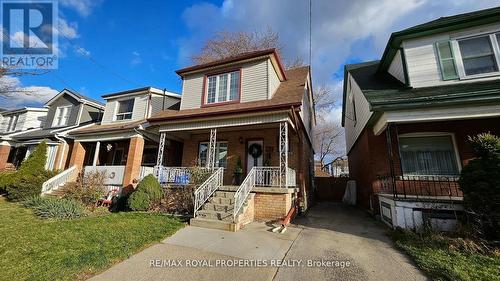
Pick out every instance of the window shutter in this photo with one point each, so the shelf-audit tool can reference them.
(446, 61)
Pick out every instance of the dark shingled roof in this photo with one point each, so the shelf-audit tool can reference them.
(385, 92)
(98, 128)
(289, 93)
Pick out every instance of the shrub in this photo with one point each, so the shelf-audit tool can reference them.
(27, 181)
(139, 201)
(198, 175)
(55, 208)
(88, 188)
(151, 187)
(480, 183)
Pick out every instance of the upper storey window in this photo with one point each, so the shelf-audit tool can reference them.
(12, 123)
(62, 115)
(223, 87)
(469, 57)
(477, 55)
(125, 108)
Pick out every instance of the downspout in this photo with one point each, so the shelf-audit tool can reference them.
(63, 150)
(163, 101)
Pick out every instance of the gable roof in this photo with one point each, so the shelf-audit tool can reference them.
(439, 25)
(141, 90)
(79, 97)
(288, 94)
(236, 58)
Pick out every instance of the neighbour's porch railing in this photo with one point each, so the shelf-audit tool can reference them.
(59, 180)
(291, 179)
(114, 174)
(423, 187)
(203, 193)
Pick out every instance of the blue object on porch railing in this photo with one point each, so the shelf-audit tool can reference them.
(182, 179)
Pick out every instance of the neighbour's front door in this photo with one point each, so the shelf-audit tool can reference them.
(255, 152)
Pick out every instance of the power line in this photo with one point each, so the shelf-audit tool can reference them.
(94, 61)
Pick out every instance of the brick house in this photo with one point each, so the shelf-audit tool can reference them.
(26, 128)
(243, 113)
(407, 116)
(122, 143)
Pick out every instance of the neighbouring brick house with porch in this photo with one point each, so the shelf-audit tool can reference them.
(408, 116)
(122, 143)
(245, 109)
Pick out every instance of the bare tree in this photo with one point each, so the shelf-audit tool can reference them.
(226, 44)
(327, 140)
(328, 133)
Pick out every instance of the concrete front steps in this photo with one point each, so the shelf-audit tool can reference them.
(217, 212)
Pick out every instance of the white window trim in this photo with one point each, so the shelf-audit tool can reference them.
(228, 87)
(117, 106)
(431, 134)
(458, 55)
(11, 127)
(56, 124)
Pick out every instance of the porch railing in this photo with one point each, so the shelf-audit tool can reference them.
(270, 177)
(291, 179)
(177, 175)
(241, 194)
(59, 180)
(206, 189)
(423, 187)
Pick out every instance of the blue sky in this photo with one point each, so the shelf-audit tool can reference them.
(112, 45)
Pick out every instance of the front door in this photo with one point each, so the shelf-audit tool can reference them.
(255, 154)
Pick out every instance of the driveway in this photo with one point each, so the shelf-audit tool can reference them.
(331, 242)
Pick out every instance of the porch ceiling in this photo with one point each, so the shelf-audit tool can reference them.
(435, 114)
(184, 135)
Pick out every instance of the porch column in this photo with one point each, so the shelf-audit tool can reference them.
(4, 154)
(61, 156)
(211, 149)
(134, 160)
(96, 153)
(77, 155)
(283, 152)
(159, 159)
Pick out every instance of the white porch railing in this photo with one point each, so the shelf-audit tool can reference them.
(145, 171)
(291, 179)
(267, 176)
(240, 196)
(177, 175)
(114, 174)
(203, 193)
(59, 180)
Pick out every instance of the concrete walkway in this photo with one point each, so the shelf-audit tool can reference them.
(331, 242)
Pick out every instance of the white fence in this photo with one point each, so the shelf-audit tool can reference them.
(114, 174)
(203, 193)
(59, 180)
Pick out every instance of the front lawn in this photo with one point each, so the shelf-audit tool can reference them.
(35, 249)
(445, 258)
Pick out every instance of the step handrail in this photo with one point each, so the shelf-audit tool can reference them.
(60, 179)
(207, 188)
(241, 194)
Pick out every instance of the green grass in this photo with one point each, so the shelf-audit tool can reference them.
(433, 255)
(35, 249)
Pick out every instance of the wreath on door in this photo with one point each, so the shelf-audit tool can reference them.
(255, 150)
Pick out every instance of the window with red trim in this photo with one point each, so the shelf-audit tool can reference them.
(223, 87)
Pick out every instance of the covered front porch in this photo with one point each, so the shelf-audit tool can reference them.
(122, 158)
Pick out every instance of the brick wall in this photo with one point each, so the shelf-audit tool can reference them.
(271, 206)
(369, 156)
(4, 155)
(77, 155)
(134, 160)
